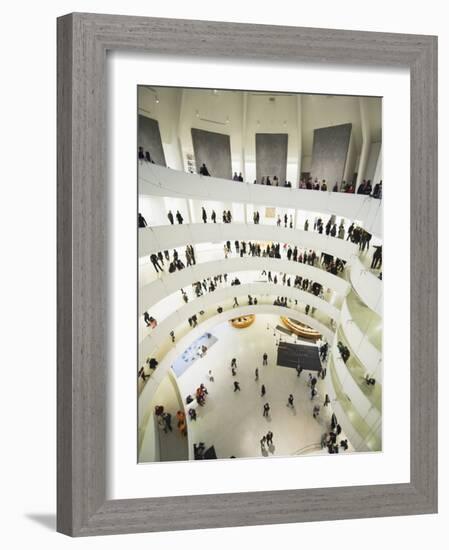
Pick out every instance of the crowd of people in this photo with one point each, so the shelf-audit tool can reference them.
(355, 234)
(365, 187)
(330, 439)
(212, 283)
(310, 183)
(173, 260)
(310, 257)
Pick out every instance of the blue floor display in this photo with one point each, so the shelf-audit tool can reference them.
(192, 353)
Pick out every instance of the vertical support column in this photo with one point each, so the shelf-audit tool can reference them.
(366, 140)
(348, 173)
(378, 170)
(299, 131)
(244, 111)
(179, 129)
(191, 211)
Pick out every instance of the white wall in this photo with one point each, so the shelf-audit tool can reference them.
(166, 111)
(210, 111)
(320, 111)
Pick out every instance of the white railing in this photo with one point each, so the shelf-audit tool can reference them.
(166, 237)
(160, 181)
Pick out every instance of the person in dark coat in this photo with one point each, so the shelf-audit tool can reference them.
(167, 421)
(155, 261)
(142, 221)
(170, 217)
(204, 171)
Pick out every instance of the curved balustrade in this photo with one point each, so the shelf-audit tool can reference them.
(353, 389)
(367, 353)
(150, 347)
(365, 434)
(160, 181)
(367, 285)
(168, 351)
(269, 290)
(358, 371)
(165, 237)
(169, 283)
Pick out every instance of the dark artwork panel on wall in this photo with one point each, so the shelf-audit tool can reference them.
(213, 150)
(330, 149)
(271, 156)
(149, 137)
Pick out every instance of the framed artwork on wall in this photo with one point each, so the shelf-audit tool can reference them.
(251, 351)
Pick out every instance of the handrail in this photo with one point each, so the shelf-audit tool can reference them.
(154, 239)
(157, 180)
(170, 283)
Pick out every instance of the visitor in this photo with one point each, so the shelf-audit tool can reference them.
(266, 409)
(142, 221)
(167, 421)
(203, 170)
(155, 261)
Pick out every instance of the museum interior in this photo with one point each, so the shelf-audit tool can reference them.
(260, 274)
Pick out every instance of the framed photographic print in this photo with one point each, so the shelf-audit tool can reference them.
(246, 317)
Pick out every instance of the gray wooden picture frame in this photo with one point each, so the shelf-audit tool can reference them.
(83, 40)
